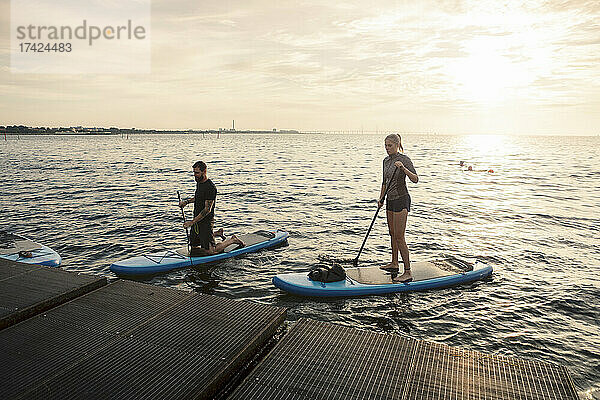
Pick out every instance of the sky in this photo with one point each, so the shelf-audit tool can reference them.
(447, 67)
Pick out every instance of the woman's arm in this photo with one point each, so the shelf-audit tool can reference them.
(414, 178)
(380, 200)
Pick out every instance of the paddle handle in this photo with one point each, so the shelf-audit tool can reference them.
(183, 215)
(355, 262)
(187, 234)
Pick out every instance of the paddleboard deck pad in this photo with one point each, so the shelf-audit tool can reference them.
(18, 248)
(168, 260)
(361, 281)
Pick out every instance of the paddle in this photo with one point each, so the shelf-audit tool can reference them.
(187, 234)
(355, 262)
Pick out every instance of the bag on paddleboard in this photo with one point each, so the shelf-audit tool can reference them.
(327, 274)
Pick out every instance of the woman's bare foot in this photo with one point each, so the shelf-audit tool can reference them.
(404, 278)
(391, 267)
(219, 233)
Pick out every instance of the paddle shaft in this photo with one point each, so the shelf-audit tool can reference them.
(187, 234)
(374, 217)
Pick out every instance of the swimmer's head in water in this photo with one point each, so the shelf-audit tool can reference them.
(470, 168)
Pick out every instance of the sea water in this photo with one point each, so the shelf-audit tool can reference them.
(535, 219)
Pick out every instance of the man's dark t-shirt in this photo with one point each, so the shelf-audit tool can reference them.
(205, 191)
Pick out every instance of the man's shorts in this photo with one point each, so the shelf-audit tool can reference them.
(201, 235)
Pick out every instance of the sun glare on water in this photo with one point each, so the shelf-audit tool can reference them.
(487, 146)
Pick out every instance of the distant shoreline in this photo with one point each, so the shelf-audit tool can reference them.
(29, 131)
(144, 132)
(125, 132)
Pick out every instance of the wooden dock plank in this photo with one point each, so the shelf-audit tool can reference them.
(35, 349)
(317, 360)
(27, 290)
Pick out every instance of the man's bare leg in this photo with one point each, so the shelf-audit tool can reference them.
(221, 246)
(219, 233)
(200, 252)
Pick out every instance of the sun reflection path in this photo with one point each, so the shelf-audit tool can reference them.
(487, 146)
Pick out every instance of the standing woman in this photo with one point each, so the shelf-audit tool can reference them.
(398, 202)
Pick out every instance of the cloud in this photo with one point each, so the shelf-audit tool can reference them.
(580, 6)
(336, 63)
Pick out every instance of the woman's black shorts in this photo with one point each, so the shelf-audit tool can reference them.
(398, 205)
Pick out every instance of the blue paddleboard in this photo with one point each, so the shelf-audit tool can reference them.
(15, 248)
(168, 260)
(363, 281)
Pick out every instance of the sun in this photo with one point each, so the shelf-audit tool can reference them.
(486, 75)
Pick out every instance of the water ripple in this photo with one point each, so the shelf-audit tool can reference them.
(99, 199)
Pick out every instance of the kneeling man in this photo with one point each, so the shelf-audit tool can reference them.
(202, 239)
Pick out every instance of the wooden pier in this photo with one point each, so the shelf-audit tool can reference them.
(318, 360)
(71, 336)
